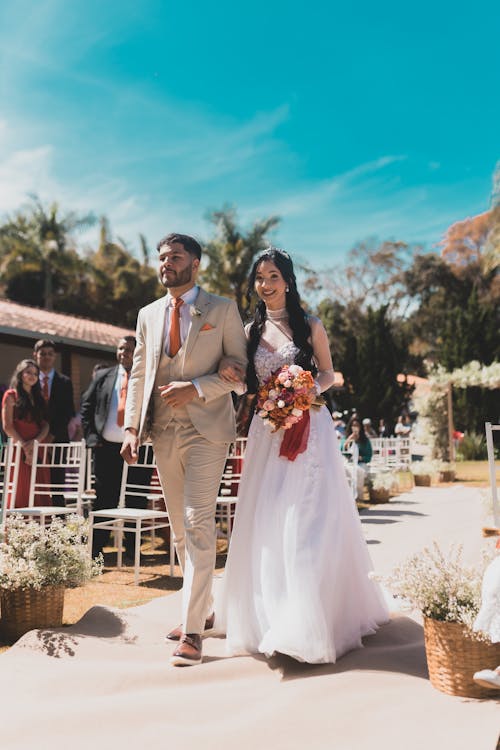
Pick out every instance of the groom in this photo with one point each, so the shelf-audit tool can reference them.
(176, 396)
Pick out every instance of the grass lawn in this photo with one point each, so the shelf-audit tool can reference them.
(474, 473)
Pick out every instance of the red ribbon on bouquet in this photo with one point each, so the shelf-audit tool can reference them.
(296, 437)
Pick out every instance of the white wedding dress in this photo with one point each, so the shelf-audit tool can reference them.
(296, 579)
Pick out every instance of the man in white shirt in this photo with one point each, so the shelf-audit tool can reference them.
(102, 411)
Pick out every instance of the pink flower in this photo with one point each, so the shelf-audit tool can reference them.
(268, 405)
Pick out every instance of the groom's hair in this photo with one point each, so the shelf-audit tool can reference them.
(189, 243)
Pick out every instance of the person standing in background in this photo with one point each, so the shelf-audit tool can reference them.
(102, 413)
(57, 391)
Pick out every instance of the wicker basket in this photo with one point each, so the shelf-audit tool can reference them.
(379, 495)
(422, 480)
(447, 475)
(452, 659)
(25, 609)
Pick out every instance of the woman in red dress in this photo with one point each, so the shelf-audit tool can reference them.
(24, 418)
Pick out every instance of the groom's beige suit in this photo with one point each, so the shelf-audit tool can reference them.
(190, 442)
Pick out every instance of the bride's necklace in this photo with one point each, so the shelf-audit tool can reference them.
(279, 318)
(280, 314)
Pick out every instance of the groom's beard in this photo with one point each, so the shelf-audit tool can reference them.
(177, 278)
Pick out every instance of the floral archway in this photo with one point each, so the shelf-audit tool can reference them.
(438, 401)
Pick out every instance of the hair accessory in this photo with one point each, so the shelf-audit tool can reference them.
(272, 248)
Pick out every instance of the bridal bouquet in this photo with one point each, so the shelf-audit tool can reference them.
(285, 396)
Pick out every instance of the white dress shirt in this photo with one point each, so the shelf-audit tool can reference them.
(112, 431)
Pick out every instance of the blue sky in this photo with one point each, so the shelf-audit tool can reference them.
(348, 121)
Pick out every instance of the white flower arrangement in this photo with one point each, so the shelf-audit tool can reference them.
(439, 585)
(194, 311)
(423, 468)
(33, 555)
(383, 480)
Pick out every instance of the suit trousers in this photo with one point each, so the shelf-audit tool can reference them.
(108, 468)
(190, 469)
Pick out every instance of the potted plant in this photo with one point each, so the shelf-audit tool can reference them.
(37, 564)
(381, 486)
(446, 471)
(423, 471)
(448, 595)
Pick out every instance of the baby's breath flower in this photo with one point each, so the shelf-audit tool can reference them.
(32, 556)
(439, 585)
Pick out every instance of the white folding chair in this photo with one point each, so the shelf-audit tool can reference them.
(122, 520)
(378, 454)
(70, 459)
(10, 455)
(227, 499)
(490, 429)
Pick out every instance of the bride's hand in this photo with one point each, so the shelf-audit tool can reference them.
(231, 371)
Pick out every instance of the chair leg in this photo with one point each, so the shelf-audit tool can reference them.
(137, 558)
(119, 541)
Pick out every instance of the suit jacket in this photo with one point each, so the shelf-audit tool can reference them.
(216, 330)
(95, 405)
(61, 407)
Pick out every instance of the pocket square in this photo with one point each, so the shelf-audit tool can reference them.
(207, 327)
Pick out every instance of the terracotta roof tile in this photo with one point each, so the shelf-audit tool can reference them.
(34, 322)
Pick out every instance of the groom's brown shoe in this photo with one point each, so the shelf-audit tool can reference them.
(188, 652)
(176, 633)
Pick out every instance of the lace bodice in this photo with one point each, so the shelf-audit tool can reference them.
(267, 361)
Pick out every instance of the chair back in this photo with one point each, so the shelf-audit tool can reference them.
(68, 457)
(128, 488)
(10, 457)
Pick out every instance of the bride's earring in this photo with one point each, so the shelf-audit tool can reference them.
(287, 289)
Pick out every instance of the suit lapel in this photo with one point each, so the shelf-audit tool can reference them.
(54, 388)
(158, 313)
(199, 312)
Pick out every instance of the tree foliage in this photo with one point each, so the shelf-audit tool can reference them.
(231, 254)
(38, 253)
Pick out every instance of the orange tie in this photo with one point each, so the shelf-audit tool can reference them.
(175, 327)
(45, 387)
(120, 414)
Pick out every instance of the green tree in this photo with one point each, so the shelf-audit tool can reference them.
(231, 254)
(120, 283)
(38, 254)
(370, 349)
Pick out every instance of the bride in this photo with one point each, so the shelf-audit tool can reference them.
(296, 579)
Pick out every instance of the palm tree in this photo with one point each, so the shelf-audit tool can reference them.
(38, 240)
(231, 254)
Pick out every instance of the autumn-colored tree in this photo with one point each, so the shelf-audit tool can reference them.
(372, 276)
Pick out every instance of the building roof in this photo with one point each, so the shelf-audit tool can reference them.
(36, 323)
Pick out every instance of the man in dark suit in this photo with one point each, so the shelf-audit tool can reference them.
(102, 412)
(57, 391)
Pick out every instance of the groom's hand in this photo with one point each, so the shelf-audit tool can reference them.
(130, 446)
(178, 393)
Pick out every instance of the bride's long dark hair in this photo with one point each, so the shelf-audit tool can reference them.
(297, 317)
